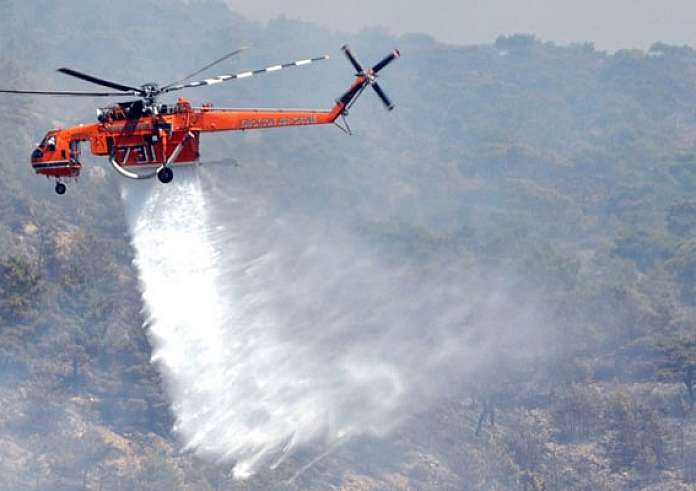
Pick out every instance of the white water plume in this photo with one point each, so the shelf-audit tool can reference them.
(276, 326)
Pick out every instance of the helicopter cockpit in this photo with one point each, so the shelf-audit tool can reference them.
(57, 156)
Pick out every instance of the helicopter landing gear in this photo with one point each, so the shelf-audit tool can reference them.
(165, 175)
(60, 188)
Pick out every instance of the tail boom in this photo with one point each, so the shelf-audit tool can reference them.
(207, 119)
(214, 120)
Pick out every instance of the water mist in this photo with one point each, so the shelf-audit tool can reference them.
(276, 324)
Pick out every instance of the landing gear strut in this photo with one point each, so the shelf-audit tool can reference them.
(60, 188)
(165, 175)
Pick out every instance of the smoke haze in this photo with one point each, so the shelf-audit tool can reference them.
(619, 24)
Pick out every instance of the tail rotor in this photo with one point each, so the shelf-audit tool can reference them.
(369, 77)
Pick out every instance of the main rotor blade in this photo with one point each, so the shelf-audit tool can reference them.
(64, 93)
(225, 78)
(387, 60)
(383, 96)
(353, 60)
(99, 81)
(209, 65)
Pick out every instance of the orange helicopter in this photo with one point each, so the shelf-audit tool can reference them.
(144, 138)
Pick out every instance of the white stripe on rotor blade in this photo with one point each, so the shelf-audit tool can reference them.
(303, 62)
(213, 81)
(245, 75)
(274, 68)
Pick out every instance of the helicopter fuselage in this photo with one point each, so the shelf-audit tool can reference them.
(135, 136)
(144, 139)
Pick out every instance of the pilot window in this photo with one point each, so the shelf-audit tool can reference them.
(50, 143)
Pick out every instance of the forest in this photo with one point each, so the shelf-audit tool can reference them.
(562, 174)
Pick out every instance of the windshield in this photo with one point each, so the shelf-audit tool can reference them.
(49, 141)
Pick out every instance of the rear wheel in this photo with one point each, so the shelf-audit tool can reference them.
(165, 175)
(60, 188)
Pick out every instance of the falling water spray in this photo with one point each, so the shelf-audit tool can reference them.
(276, 324)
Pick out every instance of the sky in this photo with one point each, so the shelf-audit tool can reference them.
(609, 24)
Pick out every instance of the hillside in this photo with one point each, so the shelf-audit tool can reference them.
(558, 179)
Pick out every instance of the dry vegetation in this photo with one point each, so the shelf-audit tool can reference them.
(571, 167)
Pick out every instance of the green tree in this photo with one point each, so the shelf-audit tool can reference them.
(680, 363)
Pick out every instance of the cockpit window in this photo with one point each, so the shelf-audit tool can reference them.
(49, 143)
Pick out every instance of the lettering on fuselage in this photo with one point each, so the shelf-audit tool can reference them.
(248, 124)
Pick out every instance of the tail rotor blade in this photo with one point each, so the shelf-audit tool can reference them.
(353, 60)
(386, 61)
(387, 102)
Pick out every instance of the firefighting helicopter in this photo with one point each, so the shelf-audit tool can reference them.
(144, 139)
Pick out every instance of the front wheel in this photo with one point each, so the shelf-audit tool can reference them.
(60, 188)
(165, 175)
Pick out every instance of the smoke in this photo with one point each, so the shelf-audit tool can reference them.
(278, 323)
